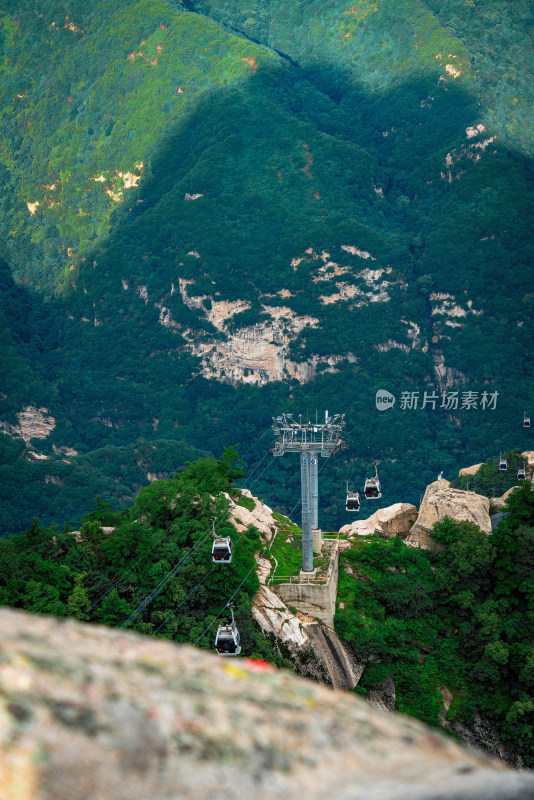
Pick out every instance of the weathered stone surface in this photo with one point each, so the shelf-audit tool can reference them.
(261, 516)
(500, 502)
(528, 455)
(383, 698)
(395, 520)
(34, 423)
(94, 713)
(315, 650)
(273, 616)
(445, 501)
(470, 470)
(254, 354)
(481, 732)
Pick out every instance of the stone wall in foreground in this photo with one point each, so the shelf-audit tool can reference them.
(92, 713)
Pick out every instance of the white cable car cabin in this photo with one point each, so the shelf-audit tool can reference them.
(228, 639)
(352, 502)
(503, 463)
(526, 420)
(222, 550)
(371, 488)
(521, 473)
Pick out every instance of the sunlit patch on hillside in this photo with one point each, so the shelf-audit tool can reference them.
(120, 181)
(253, 64)
(361, 10)
(70, 26)
(472, 152)
(447, 305)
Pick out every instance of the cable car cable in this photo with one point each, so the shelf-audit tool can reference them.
(184, 600)
(252, 568)
(174, 571)
(183, 519)
(213, 569)
(232, 597)
(155, 592)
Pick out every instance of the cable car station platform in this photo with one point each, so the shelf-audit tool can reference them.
(313, 593)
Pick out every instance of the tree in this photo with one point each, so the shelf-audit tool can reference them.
(78, 603)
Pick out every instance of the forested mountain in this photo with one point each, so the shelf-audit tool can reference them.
(217, 211)
(450, 629)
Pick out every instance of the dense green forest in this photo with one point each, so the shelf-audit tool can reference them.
(371, 161)
(104, 576)
(458, 621)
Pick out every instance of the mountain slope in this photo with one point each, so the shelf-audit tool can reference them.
(328, 210)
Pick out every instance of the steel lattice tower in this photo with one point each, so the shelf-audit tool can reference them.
(309, 439)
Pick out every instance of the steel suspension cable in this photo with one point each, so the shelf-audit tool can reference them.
(174, 571)
(141, 558)
(157, 591)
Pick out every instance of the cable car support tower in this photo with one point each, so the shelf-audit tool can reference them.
(309, 439)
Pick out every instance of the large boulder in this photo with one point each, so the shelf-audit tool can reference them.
(441, 500)
(94, 713)
(470, 470)
(499, 503)
(528, 455)
(395, 520)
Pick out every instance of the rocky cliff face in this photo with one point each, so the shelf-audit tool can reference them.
(94, 713)
(395, 520)
(34, 423)
(261, 516)
(440, 501)
(252, 354)
(315, 650)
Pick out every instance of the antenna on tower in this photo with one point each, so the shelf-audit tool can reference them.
(309, 439)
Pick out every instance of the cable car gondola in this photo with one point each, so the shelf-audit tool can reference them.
(503, 463)
(222, 548)
(372, 487)
(521, 473)
(353, 500)
(228, 639)
(526, 420)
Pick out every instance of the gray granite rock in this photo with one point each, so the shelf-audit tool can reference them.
(91, 713)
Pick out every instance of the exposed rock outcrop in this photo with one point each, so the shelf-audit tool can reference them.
(445, 376)
(314, 649)
(528, 455)
(470, 470)
(98, 714)
(481, 732)
(445, 501)
(253, 354)
(499, 503)
(383, 698)
(395, 520)
(261, 516)
(34, 423)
